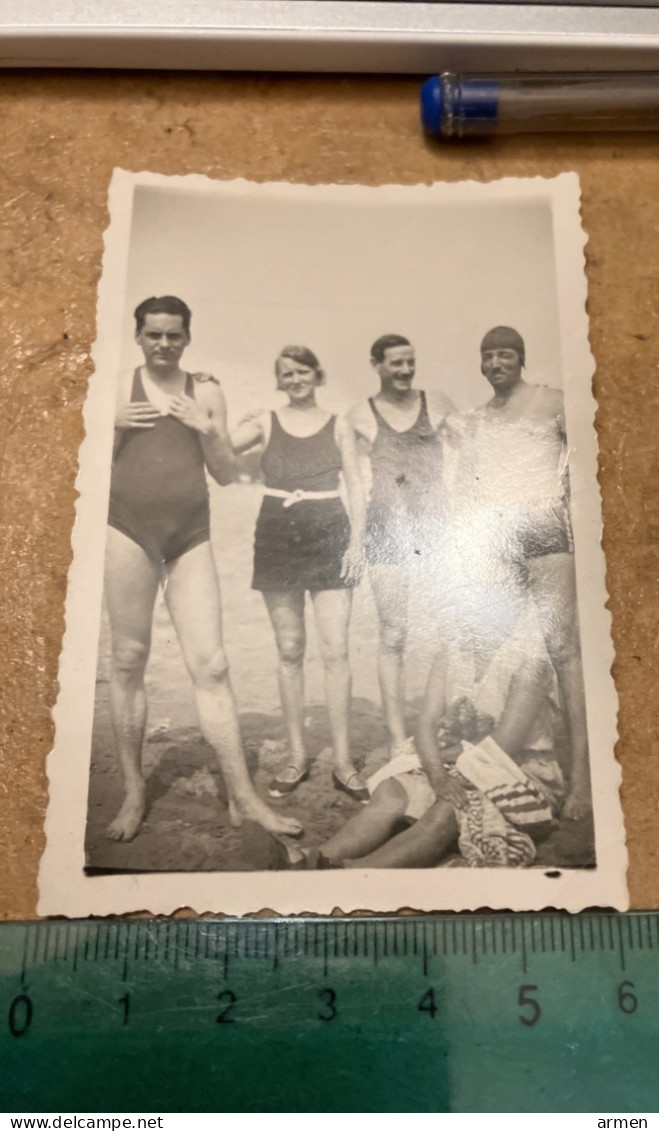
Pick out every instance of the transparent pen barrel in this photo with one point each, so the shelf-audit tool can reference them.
(537, 103)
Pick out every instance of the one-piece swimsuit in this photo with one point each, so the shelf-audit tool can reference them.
(158, 491)
(406, 509)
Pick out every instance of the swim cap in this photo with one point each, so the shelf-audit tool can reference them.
(504, 338)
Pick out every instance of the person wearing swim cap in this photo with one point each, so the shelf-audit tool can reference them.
(170, 430)
(398, 431)
(514, 483)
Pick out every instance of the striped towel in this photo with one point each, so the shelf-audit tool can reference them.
(493, 772)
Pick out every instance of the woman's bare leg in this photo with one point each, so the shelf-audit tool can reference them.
(286, 611)
(332, 609)
(131, 584)
(192, 594)
(421, 846)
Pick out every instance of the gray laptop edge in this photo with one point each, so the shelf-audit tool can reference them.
(329, 35)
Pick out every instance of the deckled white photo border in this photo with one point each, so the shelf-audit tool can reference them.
(66, 890)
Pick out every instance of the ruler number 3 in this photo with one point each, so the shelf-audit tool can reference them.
(525, 999)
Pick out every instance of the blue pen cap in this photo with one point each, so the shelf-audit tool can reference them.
(455, 107)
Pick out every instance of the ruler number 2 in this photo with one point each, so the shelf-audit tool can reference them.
(524, 999)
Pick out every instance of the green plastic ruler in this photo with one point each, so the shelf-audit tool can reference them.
(446, 1013)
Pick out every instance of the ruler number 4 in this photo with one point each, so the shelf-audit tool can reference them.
(525, 999)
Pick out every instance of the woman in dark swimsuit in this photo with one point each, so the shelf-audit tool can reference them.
(304, 542)
(170, 427)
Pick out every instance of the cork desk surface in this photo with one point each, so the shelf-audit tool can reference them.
(60, 137)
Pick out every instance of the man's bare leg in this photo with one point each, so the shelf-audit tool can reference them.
(552, 584)
(371, 827)
(192, 594)
(131, 584)
(421, 846)
(390, 584)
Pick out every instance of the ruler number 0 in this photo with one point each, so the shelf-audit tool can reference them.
(20, 1015)
(627, 1000)
(524, 998)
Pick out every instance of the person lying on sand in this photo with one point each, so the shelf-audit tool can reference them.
(485, 779)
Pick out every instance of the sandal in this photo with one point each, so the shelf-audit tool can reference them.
(356, 792)
(281, 787)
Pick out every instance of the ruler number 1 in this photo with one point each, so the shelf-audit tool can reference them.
(524, 998)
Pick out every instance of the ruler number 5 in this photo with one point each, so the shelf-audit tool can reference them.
(524, 999)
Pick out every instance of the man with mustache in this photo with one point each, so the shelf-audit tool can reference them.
(398, 430)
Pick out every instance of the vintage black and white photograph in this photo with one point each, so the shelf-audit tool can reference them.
(336, 626)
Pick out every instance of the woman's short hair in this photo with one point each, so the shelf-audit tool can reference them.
(386, 342)
(303, 356)
(166, 304)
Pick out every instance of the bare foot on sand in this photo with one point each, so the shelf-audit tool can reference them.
(235, 816)
(256, 810)
(129, 818)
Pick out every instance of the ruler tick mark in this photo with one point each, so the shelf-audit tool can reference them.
(523, 936)
(621, 947)
(26, 938)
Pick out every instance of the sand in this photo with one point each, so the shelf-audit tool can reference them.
(186, 826)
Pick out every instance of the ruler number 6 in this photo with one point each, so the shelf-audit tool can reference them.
(627, 1000)
(524, 999)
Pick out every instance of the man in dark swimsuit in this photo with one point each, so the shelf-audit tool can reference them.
(170, 427)
(398, 430)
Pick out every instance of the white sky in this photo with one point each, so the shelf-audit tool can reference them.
(261, 270)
